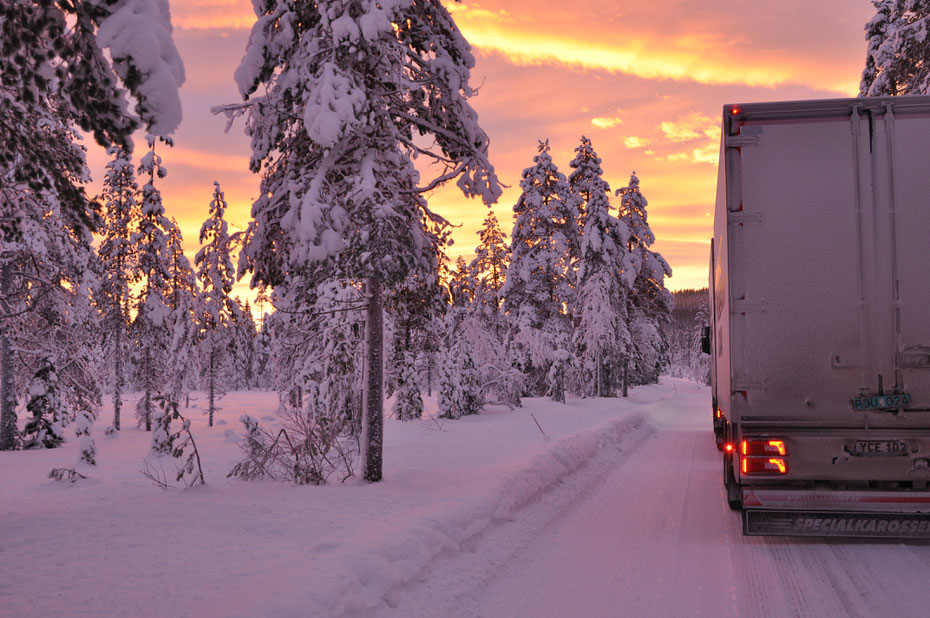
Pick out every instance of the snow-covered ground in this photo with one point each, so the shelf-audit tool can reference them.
(616, 511)
(115, 544)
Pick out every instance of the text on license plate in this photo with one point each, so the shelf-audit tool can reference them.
(882, 402)
(878, 448)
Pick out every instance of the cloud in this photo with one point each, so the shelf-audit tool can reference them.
(690, 127)
(212, 14)
(606, 123)
(205, 160)
(635, 142)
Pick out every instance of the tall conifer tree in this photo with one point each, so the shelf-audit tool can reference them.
(347, 84)
(118, 257)
(151, 326)
(651, 308)
(214, 306)
(602, 338)
(545, 241)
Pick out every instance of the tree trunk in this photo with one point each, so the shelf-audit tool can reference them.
(118, 370)
(147, 409)
(429, 376)
(7, 396)
(373, 419)
(600, 373)
(626, 375)
(212, 387)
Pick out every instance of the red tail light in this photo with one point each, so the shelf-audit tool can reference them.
(765, 446)
(719, 413)
(729, 447)
(764, 465)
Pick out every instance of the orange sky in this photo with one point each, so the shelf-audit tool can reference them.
(645, 81)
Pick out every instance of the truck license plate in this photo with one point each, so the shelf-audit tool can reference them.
(882, 402)
(878, 448)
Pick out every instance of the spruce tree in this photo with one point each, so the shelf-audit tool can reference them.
(651, 306)
(151, 327)
(539, 286)
(67, 64)
(602, 338)
(118, 258)
(488, 271)
(181, 376)
(44, 429)
(214, 306)
(346, 85)
(898, 57)
(408, 404)
(47, 267)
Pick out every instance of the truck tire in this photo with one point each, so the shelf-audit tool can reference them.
(734, 495)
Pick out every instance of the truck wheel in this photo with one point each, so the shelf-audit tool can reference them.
(734, 495)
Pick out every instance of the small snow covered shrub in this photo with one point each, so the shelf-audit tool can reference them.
(178, 443)
(460, 389)
(408, 405)
(43, 429)
(82, 426)
(309, 449)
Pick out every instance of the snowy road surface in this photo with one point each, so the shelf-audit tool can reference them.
(644, 530)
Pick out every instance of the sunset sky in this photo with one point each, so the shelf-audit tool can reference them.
(644, 81)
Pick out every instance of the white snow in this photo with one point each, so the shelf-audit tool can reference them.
(140, 31)
(261, 548)
(617, 510)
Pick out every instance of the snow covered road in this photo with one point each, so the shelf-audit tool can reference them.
(644, 530)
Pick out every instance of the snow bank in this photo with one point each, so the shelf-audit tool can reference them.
(118, 545)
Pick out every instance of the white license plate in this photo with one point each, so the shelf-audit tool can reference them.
(878, 448)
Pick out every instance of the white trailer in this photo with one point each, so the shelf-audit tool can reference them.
(820, 325)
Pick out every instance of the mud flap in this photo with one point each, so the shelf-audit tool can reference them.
(836, 524)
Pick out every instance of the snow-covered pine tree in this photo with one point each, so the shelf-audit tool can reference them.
(602, 339)
(411, 307)
(898, 57)
(460, 284)
(651, 308)
(408, 403)
(485, 325)
(44, 428)
(46, 266)
(55, 74)
(118, 258)
(459, 381)
(214, 306)
(488, 271)
(80, 58)
(181, 375)
(539, 286)
(245, 361)
(347, 84)
(151, 328)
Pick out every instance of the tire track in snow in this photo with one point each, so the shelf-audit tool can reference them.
(450, 582)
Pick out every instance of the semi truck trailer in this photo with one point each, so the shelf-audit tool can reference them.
(820, 316)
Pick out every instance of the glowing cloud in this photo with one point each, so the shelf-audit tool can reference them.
(635, 142)
(606, 123)
(690, 127)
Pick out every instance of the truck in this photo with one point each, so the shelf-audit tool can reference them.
(819, 326)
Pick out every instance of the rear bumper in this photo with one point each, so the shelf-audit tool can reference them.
(836, 524)
(865, 501)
